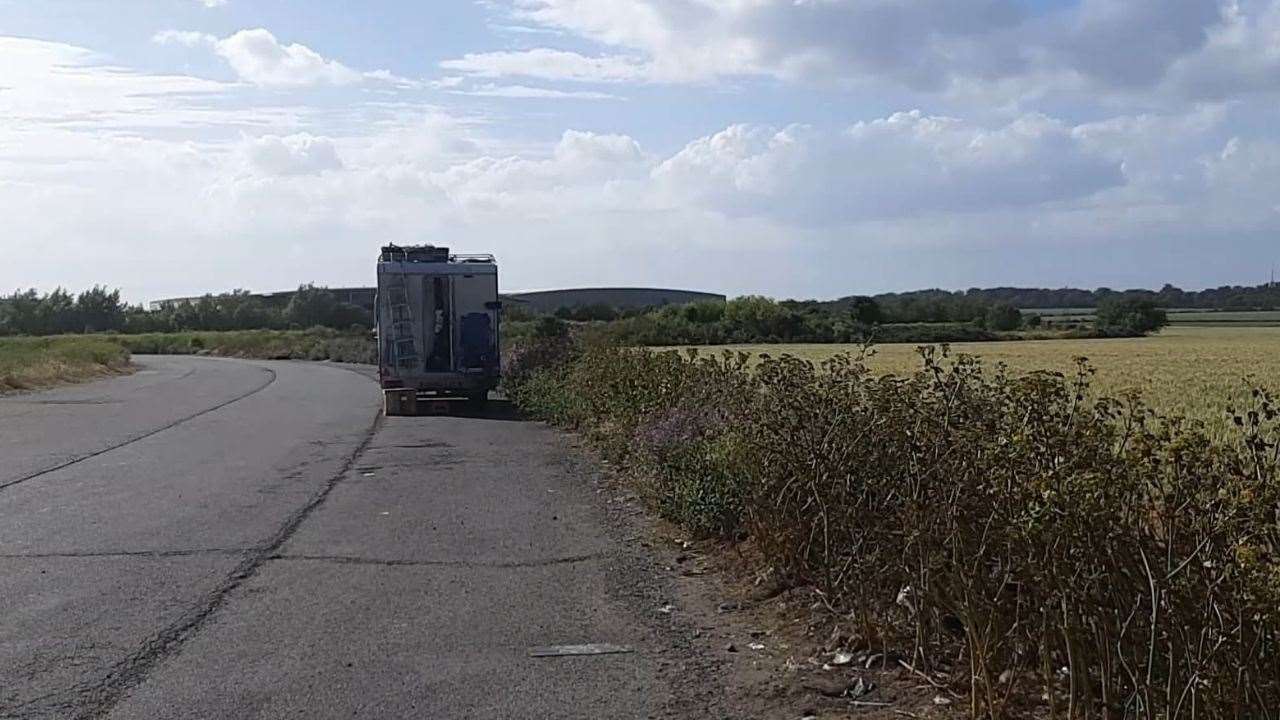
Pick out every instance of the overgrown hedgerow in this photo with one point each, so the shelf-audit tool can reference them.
(1045, 546)
(317, 343)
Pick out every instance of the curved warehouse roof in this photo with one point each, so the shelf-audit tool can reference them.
(539, 300)
(619, 297)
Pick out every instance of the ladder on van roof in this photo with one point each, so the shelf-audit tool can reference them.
(404, 346)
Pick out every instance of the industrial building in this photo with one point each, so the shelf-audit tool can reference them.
(358, 296)
(549, 301)
(543, 301)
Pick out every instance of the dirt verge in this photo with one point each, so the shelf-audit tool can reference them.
(744, 646)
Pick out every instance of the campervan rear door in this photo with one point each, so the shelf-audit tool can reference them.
(476, 321)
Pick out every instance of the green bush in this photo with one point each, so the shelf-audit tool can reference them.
(931, 333)
(866, 311)
(1080, 553)
(1129, 317)
(1003, 317)
(702, 313)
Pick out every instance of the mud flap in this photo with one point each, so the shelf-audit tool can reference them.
(400, 401)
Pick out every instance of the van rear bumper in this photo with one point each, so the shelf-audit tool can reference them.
(444, 382)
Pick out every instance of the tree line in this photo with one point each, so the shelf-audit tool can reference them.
(756, 319)
(28, 312)
(995, 309)
(961, 305)
(925, 316)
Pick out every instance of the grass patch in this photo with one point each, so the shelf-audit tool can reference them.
(1259, 318)
(28, 363)
(1177, 316)
(32, 363)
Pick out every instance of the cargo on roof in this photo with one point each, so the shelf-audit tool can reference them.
(438, 321)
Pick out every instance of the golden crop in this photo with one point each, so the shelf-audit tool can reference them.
(1195, 371)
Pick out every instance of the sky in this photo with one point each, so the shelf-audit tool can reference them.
(794, 148)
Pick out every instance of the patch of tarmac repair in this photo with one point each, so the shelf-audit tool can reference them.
(417, 446)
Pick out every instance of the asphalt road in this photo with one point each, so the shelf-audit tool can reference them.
(214, 538)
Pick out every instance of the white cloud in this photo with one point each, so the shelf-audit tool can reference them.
(390, 78)
(908, 164)
(1157, 152)
(917, 41)
(188, 38)
(124, 169)
(49, 84)
(523, 30)
(213, 3)
(585, 171)
(764, 201)
(549, 64)
(1202, 48)
(524, 91)
(1128, 43)
(1241, 56)
(118, 168)
(1242, 178)
(257, 56)
(584, 149)
(448, 82)
(300, 154)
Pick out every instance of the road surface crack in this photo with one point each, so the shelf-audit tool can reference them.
(96, 698)
(271, 377)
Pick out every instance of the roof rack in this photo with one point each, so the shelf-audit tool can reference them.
(414, 253)
(471, 258)
(429, 254)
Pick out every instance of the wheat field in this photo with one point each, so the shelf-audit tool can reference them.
(1194, 371)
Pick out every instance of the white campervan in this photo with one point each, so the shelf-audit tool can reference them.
(438, 322)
